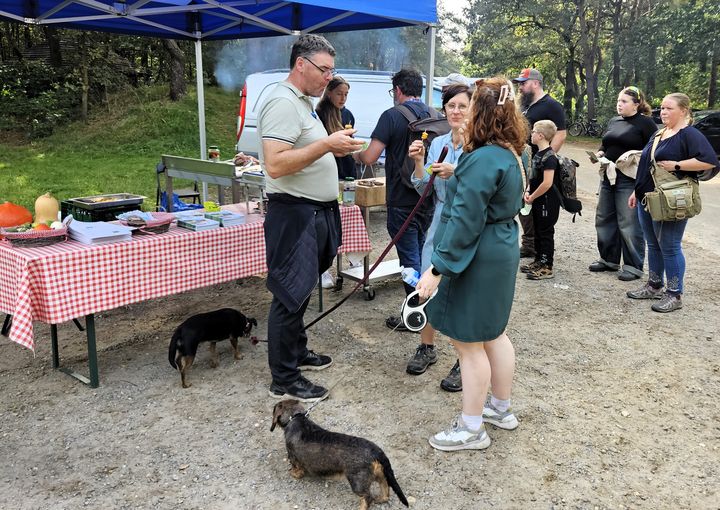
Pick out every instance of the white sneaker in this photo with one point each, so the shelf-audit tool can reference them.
(460, 437)
(328, 282)
(504, 420)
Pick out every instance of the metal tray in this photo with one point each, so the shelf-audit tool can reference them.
(256, 178)
(104, 201)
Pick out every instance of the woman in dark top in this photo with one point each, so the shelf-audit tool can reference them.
(334, 116)
(684, 151)
(617, 226)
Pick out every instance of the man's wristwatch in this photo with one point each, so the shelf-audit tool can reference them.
(434, 271)
(677, 166)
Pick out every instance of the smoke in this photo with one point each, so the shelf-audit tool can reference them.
(236, 59)
(377, 50)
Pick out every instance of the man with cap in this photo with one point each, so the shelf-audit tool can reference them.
(453, 79)
(536, 104)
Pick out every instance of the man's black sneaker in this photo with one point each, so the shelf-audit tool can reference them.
(314, 361)
(453, 381)
(396, 323)
(300, 389)
(424, 356)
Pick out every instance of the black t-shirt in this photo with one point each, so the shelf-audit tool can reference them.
(346, 165)
(545, 108)
(392, 130)
(543, 161)
(627, 134)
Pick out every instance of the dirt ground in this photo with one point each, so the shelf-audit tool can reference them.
(618, 405)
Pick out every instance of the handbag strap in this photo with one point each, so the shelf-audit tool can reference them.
(656, 141)
(653, 166)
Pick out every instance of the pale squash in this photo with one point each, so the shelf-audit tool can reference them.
(46, 208)
(12, 215)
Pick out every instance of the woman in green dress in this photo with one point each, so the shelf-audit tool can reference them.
(475, 262)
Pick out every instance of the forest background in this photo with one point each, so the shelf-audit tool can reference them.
(586, 49)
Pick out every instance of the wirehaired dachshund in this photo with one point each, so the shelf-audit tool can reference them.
(312, 449)
(207, 327)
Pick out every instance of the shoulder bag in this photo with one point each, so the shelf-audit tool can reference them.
(673, 199)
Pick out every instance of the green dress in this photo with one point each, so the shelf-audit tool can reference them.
(476, 246)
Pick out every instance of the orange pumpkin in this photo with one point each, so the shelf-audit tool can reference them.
(12, 215)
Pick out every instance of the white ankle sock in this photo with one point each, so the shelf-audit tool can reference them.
(472, 422)
(500, 405)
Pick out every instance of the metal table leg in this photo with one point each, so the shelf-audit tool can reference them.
(6, 325)
(94, 380)
(320, 294)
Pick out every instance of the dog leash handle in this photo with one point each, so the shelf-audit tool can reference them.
(426, 192)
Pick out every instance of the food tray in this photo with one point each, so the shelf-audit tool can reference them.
(34, 238)
(252, 174)
(159, 225)
(110, 200)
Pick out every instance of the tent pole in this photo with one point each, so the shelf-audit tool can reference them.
(201, 108)
(431, 65)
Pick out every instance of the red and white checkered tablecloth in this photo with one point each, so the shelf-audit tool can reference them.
(57, 283)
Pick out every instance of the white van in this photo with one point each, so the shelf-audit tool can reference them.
(367, 99)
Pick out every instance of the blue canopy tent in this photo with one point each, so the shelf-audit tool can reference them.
(200, 20)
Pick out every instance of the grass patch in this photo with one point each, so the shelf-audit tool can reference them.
(117, 150)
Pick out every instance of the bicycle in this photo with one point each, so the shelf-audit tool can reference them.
(592, 128)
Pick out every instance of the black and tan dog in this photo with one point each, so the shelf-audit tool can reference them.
(207, 327)
(312, 449)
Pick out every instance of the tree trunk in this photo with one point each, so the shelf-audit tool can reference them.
(713, 85)
(176, 69)
(85, 79)
(570, 85)
(53, 41)
(652, 57)
(589, 50)
(617, 31)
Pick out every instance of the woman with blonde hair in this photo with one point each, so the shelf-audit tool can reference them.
(475, 262)
(684, 151)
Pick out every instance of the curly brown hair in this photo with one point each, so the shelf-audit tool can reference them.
(491, 123)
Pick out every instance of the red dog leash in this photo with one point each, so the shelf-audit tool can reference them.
(394, 240)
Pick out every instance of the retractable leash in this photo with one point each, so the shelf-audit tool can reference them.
(402, 230)
(413, 316)
(332, 387)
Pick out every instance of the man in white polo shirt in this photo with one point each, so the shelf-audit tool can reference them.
(302, 226)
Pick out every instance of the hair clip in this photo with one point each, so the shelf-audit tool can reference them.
(633, 89)
(504, 93)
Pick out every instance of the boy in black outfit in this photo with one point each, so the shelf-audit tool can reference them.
(543, 194)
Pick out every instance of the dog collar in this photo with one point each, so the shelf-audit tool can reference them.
(300, 413)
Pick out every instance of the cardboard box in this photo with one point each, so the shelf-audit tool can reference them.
(370, 192)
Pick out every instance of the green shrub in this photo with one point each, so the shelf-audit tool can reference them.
(35, 98)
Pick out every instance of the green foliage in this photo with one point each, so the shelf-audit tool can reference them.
(118, 149)
(35, 98)
(661, 46)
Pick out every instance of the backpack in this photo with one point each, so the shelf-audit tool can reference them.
(567, 191)
(434, 125)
